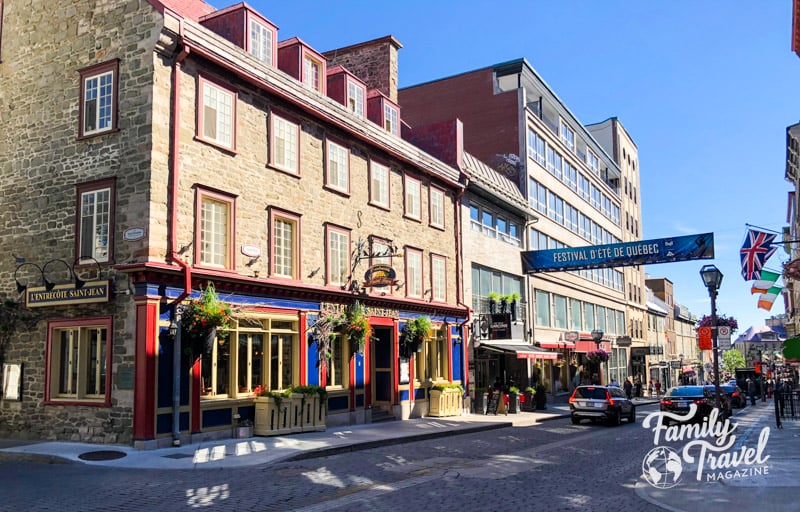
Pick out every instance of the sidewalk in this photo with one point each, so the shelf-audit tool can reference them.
(226, 453)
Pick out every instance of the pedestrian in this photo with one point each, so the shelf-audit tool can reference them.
(777, 394)
(751, 391)
(628, 387)
(637, 388)
(614, 382)
(658, 388)
(650, 388)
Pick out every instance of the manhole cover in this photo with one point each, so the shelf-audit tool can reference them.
(102, 455)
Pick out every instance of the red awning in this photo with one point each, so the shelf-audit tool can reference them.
(584, 346)
(556, 344)
(522, 351)
(688, 369)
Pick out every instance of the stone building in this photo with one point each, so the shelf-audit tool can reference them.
(171, 146)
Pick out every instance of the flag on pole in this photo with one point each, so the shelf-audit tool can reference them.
(765, 282)
(755, 252)
(766, 300)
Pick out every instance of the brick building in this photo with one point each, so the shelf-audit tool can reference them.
(172, 146)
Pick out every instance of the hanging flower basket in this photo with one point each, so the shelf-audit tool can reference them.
(356, 326)
(323, 332)
(200, 319)
(597, 356)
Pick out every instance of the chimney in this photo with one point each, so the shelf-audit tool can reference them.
(374, 62)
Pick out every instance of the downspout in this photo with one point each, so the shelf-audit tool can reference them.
(460, 288)
(173, 237)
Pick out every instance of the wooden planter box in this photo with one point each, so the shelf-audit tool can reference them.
(272, 419)
(312, 414)
(444, 403)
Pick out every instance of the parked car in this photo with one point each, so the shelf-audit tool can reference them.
(678, 400)
(725, 398)
(605, 403)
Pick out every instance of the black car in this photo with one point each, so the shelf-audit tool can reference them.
(678, 399)
(606, 403)
(737, 396)
(725, 399)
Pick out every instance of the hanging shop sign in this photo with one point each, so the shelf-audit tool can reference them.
(380, 275)
(643, 252)
(67, 294)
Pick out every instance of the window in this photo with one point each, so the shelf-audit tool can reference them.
(588, 317)
(254, 352)
(217, 113)
(536, 147)
(284, 244)
(432, 363)
(583, 186)
(95, 233)
(312, 69)
(261, 43)
(576, 315)
(338, 364)
(390, 120)
(412, 198)
(438, 278)
(379, 184)
(79, 360)
(98, 102)
(567, 135)
(538, 196)
(338, 257)
(413, 273)
(560, 312)
(338, 167)
(570, 175)
(355, 98)
(556, 208)
(542, 308)
(593, 162)
(214, 233)
(437, 207)
(285, 148)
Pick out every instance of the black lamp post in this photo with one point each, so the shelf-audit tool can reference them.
(712, 278)
(597, 335)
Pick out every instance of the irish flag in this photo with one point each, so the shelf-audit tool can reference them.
(767, 299)
(766, 282)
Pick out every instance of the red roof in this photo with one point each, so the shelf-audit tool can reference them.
(191, 9)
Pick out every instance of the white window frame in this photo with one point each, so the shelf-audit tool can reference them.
(98, 100)
(94, 230)
(413, 193)
(355, 97)
(413, 273)
(312, 73)
(285, 144)
(337, 166)
(391, 119)
(284, 244)
(436, 207)
(379, 184)
(217, 114)
(438, 278)
(337, 260)
(262, 42)
(214, 230)
(567, 135)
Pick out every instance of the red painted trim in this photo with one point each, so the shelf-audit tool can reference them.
(144, 394)
(352, 380)
(449, 340)
(223, 197)
(396, 363)
(194, 394)
(174, 161)
(93, 186)
(205, 80)
(303, 350)
(275, 213)
(91, 71)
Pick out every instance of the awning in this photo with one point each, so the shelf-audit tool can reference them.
(585, 346)
(557, 344)
(521, 350)
(688, 369)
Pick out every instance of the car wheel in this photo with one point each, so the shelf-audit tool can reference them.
(575, 420)
(632, 417)
(617, 418)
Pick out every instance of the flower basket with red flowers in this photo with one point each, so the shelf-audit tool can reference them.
(356, 326)
(200, 319)
(597, 356)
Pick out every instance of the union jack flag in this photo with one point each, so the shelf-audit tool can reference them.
(755, 252)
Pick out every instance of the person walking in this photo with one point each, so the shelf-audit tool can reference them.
(658, 388)
(751, 391)
(777, 394)
(628, 387)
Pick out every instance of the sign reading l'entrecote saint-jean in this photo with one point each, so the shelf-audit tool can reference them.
(660, 250)
(92, 291)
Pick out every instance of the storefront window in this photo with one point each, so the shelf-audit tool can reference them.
(79, 359)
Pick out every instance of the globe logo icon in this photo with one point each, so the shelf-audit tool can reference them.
(662, 467)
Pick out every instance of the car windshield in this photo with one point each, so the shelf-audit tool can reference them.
(591, 392)
(686, 391)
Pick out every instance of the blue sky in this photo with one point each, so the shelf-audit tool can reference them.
(706, 90)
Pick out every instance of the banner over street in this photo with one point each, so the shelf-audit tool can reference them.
(643, 252)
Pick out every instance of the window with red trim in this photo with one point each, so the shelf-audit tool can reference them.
(216, 114)
(79, 360)
(413, 273)
(94, 233)
(284, 244)
(337, 255)
(98, 100)
(438, 278)
(214, 229)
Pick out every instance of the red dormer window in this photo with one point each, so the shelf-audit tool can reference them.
(347, 89)
(384, 112)
(247, 29)
(261, 42)
(300, 61)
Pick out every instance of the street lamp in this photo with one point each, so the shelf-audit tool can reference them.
(712, 278)
(597, 335)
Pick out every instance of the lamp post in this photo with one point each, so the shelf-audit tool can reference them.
(597, 335)
(712, 278)
(680, 370)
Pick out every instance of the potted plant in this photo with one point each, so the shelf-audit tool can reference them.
(323, 332)
(272, 413)
(527, 401)
(356, 326)
(513, 400)
(597, 356)
(415, 332)
(200, 319)
(494, 298)
(513, 299)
